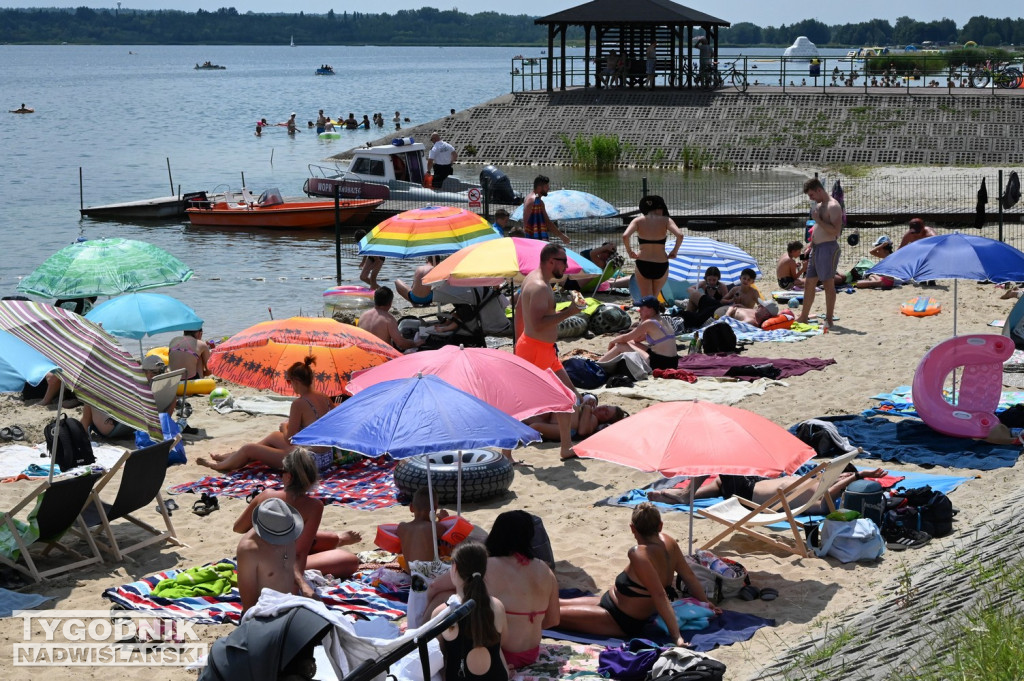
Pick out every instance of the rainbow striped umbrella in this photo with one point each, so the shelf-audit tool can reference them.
(492, 262)
(433, 230)
(90, 361)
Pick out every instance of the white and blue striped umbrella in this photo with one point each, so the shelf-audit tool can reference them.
(699, 253)
(569, 204)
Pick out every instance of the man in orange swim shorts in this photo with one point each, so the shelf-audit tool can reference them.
(537, 326)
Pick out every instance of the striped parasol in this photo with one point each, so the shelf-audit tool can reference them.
(699, 253)
(433, 230)
(259, 356)
(90, 361)
(492, 262)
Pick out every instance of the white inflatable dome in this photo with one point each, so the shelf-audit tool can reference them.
(801, 48)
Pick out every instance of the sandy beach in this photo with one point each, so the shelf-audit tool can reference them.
(875, 348)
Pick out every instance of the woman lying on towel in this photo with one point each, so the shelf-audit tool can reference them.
(272, 449)
(642, 590)
(315, 549)
(758, 490)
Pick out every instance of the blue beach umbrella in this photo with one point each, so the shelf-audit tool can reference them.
(954, 256)
(135, 315)
(569, 204)
(699, 253)
(20, 363)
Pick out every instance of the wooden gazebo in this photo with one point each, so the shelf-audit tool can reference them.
(628, 27)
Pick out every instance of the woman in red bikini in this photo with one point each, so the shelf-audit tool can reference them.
(652, 230)
(272, 449)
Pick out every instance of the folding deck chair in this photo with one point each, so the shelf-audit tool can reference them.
(59, 508)
(742, 515)
(142, 477)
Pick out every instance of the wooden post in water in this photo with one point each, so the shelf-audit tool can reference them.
(81, 199)
(169, 178)
(337, 234)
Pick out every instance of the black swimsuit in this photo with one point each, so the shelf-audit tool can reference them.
(647, 268)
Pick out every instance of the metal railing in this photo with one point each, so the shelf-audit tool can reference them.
(905, 72)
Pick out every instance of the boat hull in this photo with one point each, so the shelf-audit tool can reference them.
(159, 208)
(292, 216)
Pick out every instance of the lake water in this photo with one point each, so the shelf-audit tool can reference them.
(118, 111)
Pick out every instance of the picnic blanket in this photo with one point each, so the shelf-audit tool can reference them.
(350, 597)
(273, 405)
(17, 459)
(911, 441)
(900, 401)
(365, 484)
(718, 365)
(727, 392)
(559, 661)
(754, 334)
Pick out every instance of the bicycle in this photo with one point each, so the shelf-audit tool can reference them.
(711, 78)
(1000, 76)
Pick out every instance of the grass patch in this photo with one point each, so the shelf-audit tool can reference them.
(850, 170)
(601, 152)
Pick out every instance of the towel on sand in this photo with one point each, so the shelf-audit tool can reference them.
(718, 365)
(209, 580)
(710, 390)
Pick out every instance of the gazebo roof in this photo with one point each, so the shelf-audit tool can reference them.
(661, 12)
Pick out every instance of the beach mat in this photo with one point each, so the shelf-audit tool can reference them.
(366, 484)
(15, 459)
(718, 365)
(728, 628)
(558, 661)
(350, 597)
(911, 441)
(727, 392)
(900, 402)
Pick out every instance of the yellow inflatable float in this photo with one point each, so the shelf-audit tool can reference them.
(201, 386)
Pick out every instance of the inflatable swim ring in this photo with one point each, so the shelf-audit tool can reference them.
(980, 389)
(451, 530)
(921, 306)
(347, 299)
(330, 135)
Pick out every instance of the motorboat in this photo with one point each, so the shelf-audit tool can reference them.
(159, 208)
(208, 66)
(271, 211)
(398, 172)
(326, 70)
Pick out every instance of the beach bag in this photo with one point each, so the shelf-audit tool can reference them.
(721, 577)
(935, 511)
(683, 664)
(170, 429)
(73, 446)
(849, 541)
(865, 497)
(585, 373)
(631, 662)
(719, 338)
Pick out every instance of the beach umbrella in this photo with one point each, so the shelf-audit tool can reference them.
(495, 261)
(90, 362)
(433, 230)
(698, 438)
(259, 356)
(570, 204)
(954, 256)
(135, 315)
(412, 416)
(20, 363)
(522, 391)
(699, 253)
(104, 267)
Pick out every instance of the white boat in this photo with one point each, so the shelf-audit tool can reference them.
(292, 42)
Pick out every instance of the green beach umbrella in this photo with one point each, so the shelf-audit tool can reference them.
(105, 267)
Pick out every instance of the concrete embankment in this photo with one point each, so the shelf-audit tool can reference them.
(762, 128)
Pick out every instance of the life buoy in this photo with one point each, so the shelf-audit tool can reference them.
(921, 306)
(451, 530)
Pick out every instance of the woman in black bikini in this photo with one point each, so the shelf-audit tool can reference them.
(642, 590)
(652, 230)
(272, 449)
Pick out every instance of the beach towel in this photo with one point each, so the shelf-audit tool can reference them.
(12, 600)
(911, 441)
(270, 405)
(210, 580)
(558, 661)
(718, 365)
(753, 334)
(365, 484)
(350, 597)
(900, 402)
(17, 459)
(710, 390)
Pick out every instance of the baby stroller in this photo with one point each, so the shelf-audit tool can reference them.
(478, 312)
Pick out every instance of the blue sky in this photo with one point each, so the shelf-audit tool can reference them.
(757, 11)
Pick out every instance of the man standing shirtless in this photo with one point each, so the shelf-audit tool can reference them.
(536, 222)
(537, 326)
(828, 221)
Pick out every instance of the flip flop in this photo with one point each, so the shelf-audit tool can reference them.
(255, 493)
(171, 505)
(17, 433)
(750, 593)
(206, 505)
(6, 434)
(769, 594)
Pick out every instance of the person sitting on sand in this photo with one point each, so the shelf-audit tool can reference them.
(418, 551)
(743, 295)
(271, 450)
(642, 590)
(189, 352)
(587, 419)
(790, 267)
(266, 554)
(881, 250)
(524, 584)
(916, 231)
(419, 294)
(314, 549)
(654, 338)
(101, 423)
(759, 490)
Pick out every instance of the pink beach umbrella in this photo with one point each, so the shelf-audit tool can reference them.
(499, 378)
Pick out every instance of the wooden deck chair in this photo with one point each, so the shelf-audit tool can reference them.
(59, 508)
(165, 388)
(143, 472)
(742, 515)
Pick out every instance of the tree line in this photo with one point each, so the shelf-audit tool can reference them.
(429, 26)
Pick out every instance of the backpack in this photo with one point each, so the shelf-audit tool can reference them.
(721, 577)
(865, 497)
(585, 373)
(719, 338)
(935, 511)
(73, 446)
(849, 540)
